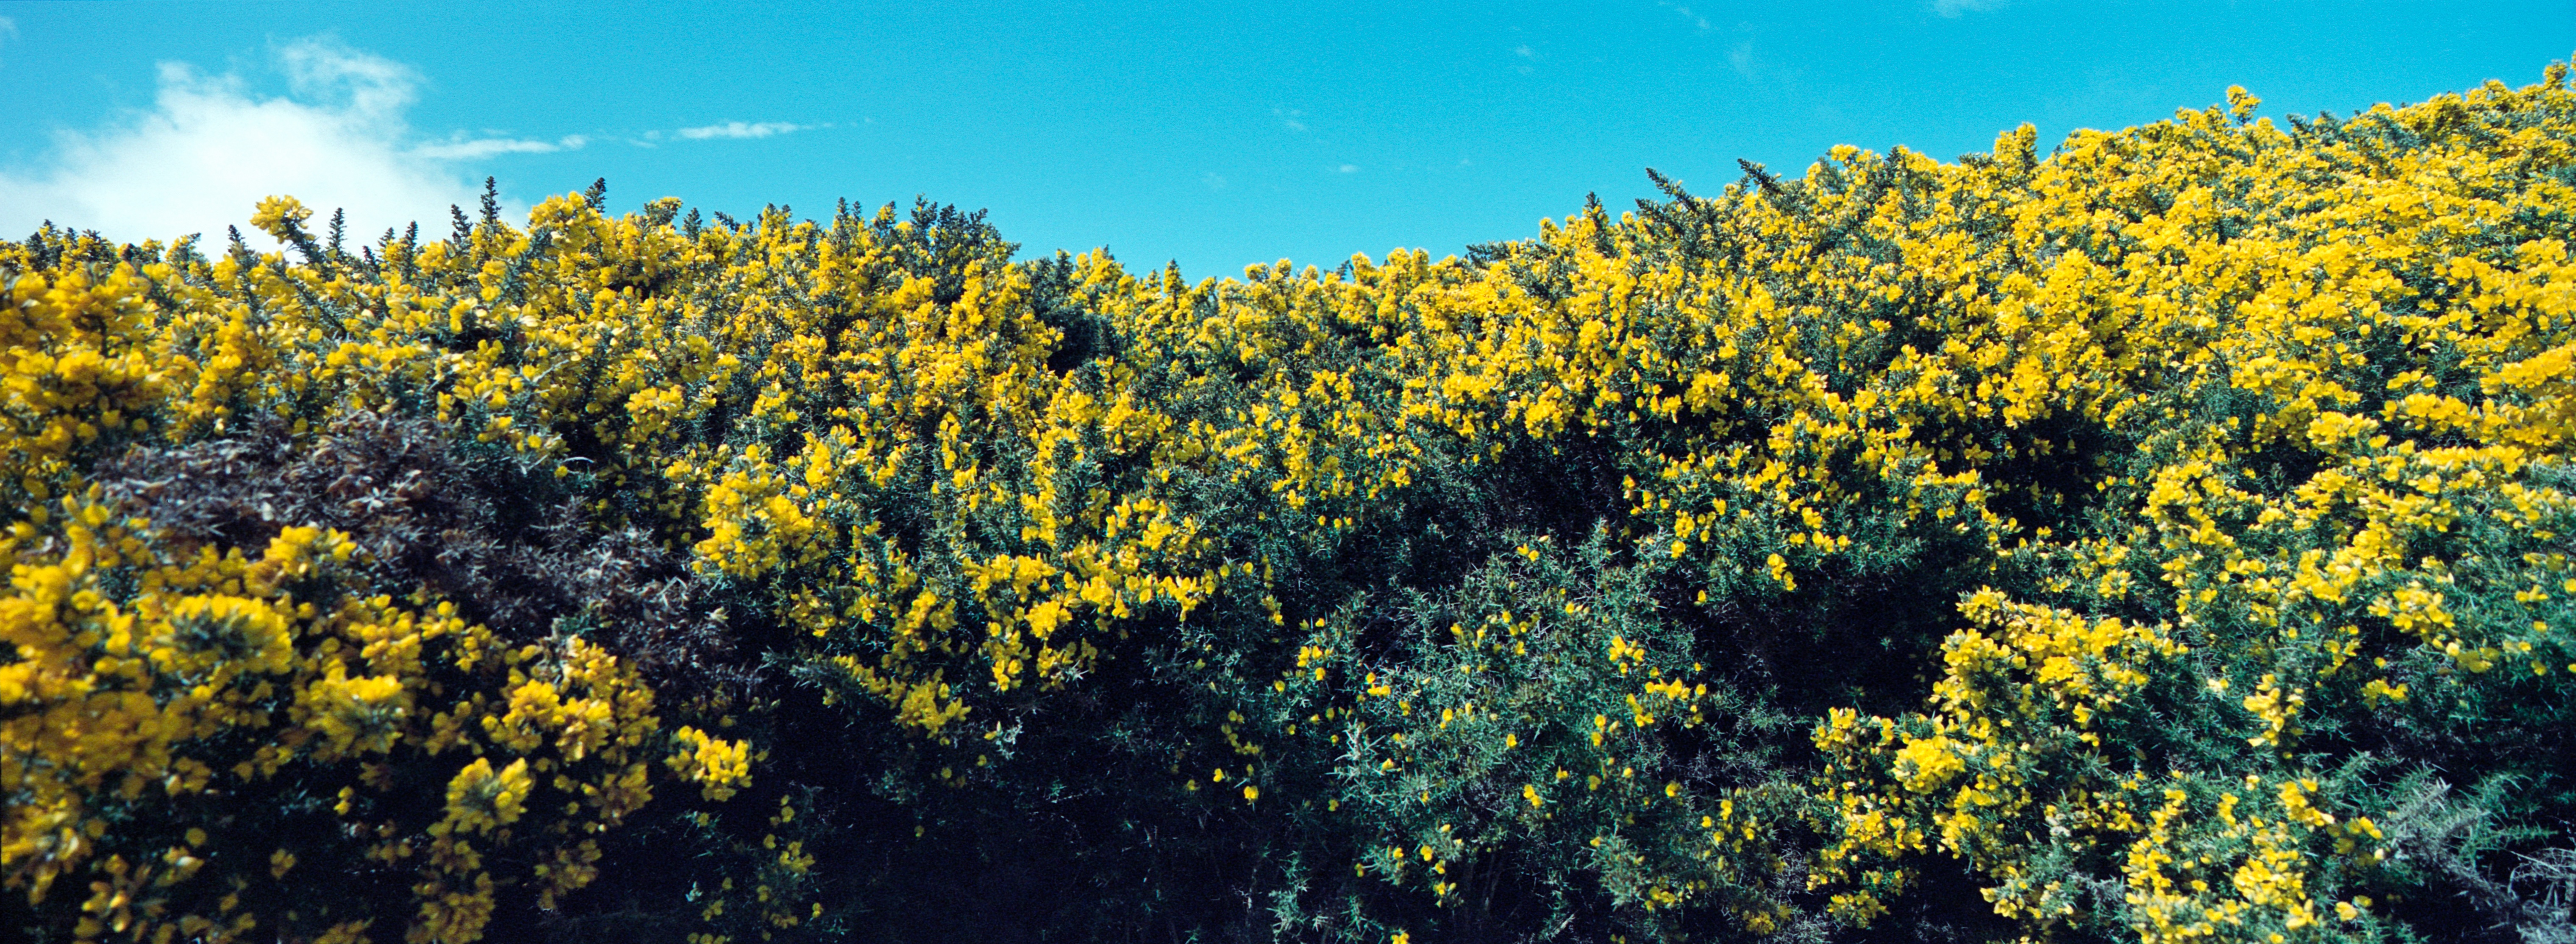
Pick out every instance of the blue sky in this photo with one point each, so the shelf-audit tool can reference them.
(1214, 134)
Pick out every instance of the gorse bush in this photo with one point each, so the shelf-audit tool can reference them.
(2167, 539)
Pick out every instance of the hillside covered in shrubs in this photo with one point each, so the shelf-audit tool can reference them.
(2164, 538)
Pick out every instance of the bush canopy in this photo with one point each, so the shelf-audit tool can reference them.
(2166, 539)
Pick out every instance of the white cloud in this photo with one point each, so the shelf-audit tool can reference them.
(1213, 180)
(465, 150)
(1696, 19)
(1953, 8)
(1288, 118)
(208, 150)
(1524, 51)
(742, 129)
(1348, 168)
(1741, 57)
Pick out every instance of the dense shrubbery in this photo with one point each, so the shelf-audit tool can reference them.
(2167, 539)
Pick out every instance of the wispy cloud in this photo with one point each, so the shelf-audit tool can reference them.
(208, 150)
(1524, 51)
(472, 149)
(1347, 169)
(745, 129)
(1213, 180)
(1288, 118)
(1740, 56)
(8, 30)
(1694, 18)
(1953, 8)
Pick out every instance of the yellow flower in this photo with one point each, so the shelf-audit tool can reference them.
(720, 767)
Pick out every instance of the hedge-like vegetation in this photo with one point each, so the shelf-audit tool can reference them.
(2164, 540)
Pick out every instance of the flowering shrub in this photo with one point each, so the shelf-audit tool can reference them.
(2136, 542)
(218, 693)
